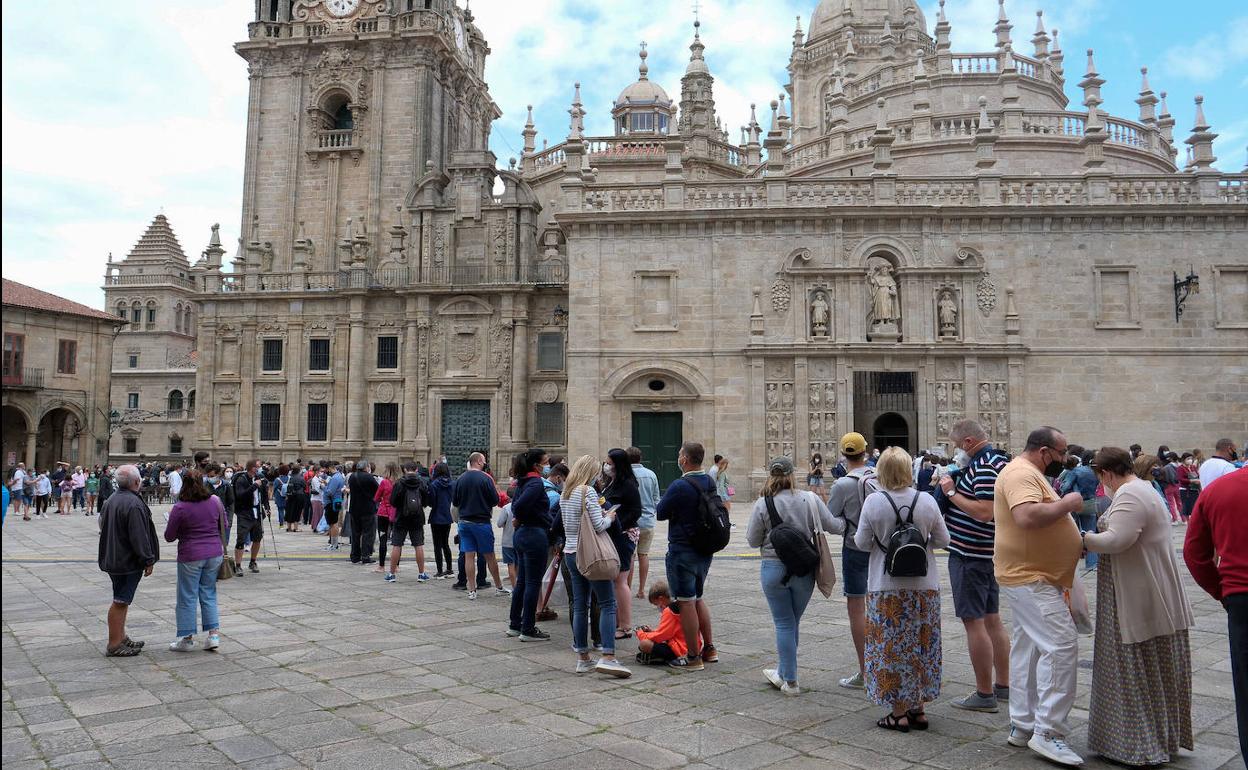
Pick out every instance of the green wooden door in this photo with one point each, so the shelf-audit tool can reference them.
(465, 429)
(658, 435)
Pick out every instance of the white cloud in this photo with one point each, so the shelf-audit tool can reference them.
(1213, 54)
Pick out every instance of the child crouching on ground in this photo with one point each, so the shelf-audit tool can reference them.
(667, 642)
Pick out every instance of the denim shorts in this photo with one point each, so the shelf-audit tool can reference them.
(975, 591)
(686, 572)
(124, 586)
(476, 538)
(854, 567)
(509, 555)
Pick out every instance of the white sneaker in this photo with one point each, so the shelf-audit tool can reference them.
(183, 644)
(503, 591)
(773, 676)
(472, 596)
(1018, 737)
(613, 668)
(790, 688)
(852, 682)
(212, 642)
(1055, 749)
(585, 666)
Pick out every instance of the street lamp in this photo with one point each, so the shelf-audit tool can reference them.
(1183, 289)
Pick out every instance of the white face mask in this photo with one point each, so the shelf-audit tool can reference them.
(229, 474)
(961, 458)
(468, 466)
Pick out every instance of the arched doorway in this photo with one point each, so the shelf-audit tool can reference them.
(58, 439)
(891, 429)
(15, 432)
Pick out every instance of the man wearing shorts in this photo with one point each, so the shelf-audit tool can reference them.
(976, 596)
(332, 497)
(128, 552)
(475, 495)
(845, 502)
(648, 485)
(409, 502)
(249, 514)
(686, 568)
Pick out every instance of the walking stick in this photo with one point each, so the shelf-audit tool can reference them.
(276, 557)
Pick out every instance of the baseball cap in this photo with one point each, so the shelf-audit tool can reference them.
(781, 465)
(853, 444)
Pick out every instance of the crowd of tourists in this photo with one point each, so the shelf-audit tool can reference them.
(1013, 527)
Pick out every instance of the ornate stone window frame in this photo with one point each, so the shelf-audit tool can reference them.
(1133, 297)
(639, 277)
(1220, 302)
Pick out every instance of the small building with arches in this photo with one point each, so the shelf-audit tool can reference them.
(56, 373)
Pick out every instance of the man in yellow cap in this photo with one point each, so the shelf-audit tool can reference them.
(845, 502)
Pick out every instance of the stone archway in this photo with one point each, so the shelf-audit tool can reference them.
(16, 431)
(58, 438)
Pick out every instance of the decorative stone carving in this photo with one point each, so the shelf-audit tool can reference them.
(885, 314)
(228, 394)
(772, 396)
(986, 295)
(942, 396)
(773, 426)
(548, 393)
(781, 295)
(947, 313)
(439, 245)
(820, 314)
(270, 395)
(829, 395)
(786, 395)
(1002, 394)
(385, 392)
(816, 396)
(317, 393)
(985, 397)
(956, 394)
(465, 346)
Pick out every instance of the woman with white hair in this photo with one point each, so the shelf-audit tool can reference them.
(903, 652)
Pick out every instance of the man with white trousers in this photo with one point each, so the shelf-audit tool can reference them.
(1036, 552)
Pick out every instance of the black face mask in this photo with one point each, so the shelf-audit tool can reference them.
(1054, 469)
(1234, 456)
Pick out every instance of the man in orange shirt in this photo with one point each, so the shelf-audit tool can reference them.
(1036, 551)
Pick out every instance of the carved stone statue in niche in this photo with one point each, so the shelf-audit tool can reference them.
(815, 392)
(956, 393)
(786, 395)
(942, 425)
(820, 314)
(947, 314)
(942, 396)
(788, 426)
(773, 400)
(885, 308)
(1003, 426)
(814, 425)
(985, 397)
(1002, 396)
(773, 426)
(829, 395)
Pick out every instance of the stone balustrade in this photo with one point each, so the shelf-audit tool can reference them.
(410, 20)
(147, 280)
(975, 63)
(546, 273)
(335, 139)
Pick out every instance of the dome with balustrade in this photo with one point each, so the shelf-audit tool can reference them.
(831, 15)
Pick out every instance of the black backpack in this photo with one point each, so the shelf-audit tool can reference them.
(793, 547)
(711, 527)
(905, 554)
(413, 504)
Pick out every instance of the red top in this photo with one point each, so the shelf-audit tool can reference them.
(1216, 549)
(384, 509)
(669, 632)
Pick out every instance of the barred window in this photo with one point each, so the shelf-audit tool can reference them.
(550, 351)
(270, 422)
(548, 427)
(387, 352)
(67, 357)
(132, 400)
(272, 358)
(318, 355)
(175, 445)
(318, 422)
(385, 422)
(134, 360)
(132, 444)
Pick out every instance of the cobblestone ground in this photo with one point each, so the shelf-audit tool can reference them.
(324, 665)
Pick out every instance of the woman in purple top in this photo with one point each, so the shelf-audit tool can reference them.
(196, 522)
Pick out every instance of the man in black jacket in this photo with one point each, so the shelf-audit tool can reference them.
(362, 488)
(128, 552)
(248, 509)
(409, 499)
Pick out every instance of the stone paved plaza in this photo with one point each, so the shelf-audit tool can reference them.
(323, 665)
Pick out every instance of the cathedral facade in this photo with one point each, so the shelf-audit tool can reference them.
(905, 237)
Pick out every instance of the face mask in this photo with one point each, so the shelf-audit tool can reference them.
(468, 466)
(229, 474)
(1054, 469)
(961, 458)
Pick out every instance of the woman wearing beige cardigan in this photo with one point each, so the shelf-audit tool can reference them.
(1141, 709)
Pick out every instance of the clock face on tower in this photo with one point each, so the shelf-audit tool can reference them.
(341, 8)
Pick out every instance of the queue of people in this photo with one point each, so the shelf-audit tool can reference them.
(1015, 530)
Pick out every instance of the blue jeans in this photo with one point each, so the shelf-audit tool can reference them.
(78, 498)
(604, 592)
(197, 583)
(532, 544)
(787, 603)
(1087, 523)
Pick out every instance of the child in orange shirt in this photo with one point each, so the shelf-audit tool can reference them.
(666, 642)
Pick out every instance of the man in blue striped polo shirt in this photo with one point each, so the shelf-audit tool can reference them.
(969, 518)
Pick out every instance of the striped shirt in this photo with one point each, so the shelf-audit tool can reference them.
(968, 537)
(570, 510)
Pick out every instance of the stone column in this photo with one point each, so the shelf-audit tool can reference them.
(32, 439)
(413, 393)
(801, 405)
(520, 374)
(248, 353)
(205, 399)
(295, 353)
(357, 390)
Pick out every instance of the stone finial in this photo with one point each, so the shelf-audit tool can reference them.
(985, 123)
(1091, 85)
(1147, 100)
(881, 118)
(920, 71)
(775, 117)
(1056, 56)
(1041, 39)
(1201, 156)
(799, 37)
(530, 134)
(215, 238)
(643, 69)
(1003, 25)
(849, 44)
(1091, 73)
(1007, 58)
(940, 15)
(529, 121)
(574, 130)
(1201, 123)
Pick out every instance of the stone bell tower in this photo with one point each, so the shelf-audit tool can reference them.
(350, 100)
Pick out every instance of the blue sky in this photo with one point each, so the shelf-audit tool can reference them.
(122, 110)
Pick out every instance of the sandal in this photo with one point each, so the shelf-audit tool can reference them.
(623, 633)
(890, 722)
(122, 650)
(917, 719)
(132, 643)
